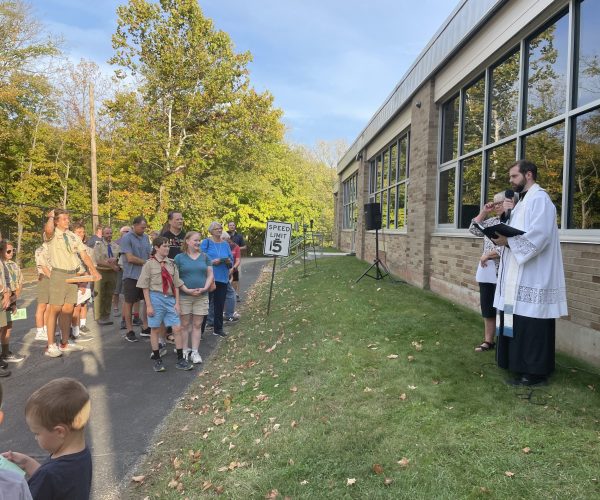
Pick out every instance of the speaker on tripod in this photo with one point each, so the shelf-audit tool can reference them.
(372, 213)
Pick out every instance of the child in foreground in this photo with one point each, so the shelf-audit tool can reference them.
(12, 483)
(57, 414)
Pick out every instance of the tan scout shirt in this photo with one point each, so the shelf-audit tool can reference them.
(101, 252)
(151, 277)
(62, 256)
(15, 276)
(42, 258)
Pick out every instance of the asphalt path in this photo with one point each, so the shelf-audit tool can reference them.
(129, 400)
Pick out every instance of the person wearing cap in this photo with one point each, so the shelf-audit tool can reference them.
(106, 255)
(64, 249)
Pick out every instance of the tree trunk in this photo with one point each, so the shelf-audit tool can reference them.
(94, 174)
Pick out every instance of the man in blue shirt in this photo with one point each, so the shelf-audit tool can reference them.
(136, 247)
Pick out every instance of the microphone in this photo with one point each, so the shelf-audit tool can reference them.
(510, 194)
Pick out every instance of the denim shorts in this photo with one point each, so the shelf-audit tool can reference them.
(164, 310)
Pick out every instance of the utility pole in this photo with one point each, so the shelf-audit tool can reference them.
(93, 167)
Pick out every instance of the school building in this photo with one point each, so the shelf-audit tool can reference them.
(500, 80)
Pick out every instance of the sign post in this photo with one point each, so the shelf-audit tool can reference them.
(278, 236)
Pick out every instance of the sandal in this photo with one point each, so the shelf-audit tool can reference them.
(485, 346)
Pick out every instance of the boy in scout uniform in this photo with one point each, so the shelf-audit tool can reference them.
(4, 305)
(63, 250)
(44, 270)
(106, 254)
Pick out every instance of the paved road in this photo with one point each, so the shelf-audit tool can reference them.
(129, 400)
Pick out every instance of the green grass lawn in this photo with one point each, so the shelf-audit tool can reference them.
(370, 390)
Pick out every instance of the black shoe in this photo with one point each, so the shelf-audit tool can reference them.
(130, 336)
(3, 364)
(101, 321)
(137, 321)
(123, 325)
(222, 333)
(4, 372)
(85, 329)
(145, 332)
(231, 319)
(528, 380)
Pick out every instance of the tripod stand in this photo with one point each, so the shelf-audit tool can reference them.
(377, 264)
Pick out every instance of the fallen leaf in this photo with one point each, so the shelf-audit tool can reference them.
(294, 424)
(272, 494)
(377, 469)
(368, 389)
(218, 421)
(138, 479)
(231, 446)
(173, 483)
(350, 481)
(412, 387)
(509, 474)
(435, 382)
(206, 485)
(177, 462)
(403, 397)
(403, 462)
(293, 389)
(527, 449)
(219, 490)
(388, 481)
(411, 358)
(392, 356)
(303, 482)
(276, 427)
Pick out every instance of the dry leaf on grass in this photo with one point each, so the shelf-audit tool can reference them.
(527, 449)
(272, 494)
(218, 421)
(403, 397)
(303, 482)
(138, 479)
(403, 462)
(350, 481)
(377, 469)
(509, 473)
(177, 462)
(293, 389)
(388, 481)
(392, 356)
(411, 358)
(368, 389)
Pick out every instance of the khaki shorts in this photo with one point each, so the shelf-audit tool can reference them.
(62, 292)
(43, 290)
(3, 319)
(194, 305)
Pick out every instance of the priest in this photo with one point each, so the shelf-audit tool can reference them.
(531, 288)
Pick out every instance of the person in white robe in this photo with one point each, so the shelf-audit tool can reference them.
(531, 289)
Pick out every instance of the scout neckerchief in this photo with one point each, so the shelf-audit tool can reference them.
(167, 279)
(110, 252)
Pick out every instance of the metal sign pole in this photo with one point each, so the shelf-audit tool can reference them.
(271, 288)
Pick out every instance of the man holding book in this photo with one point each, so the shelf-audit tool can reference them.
(531, 284)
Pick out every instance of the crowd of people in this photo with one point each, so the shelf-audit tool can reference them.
(173, 284)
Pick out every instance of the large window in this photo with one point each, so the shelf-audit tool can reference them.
(533, 106)
(387, 182)
(349, 190)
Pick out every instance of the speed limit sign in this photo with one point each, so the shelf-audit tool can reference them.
(277, 239)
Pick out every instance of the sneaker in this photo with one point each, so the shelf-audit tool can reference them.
(101, 321)
(116, 313)
(159, 366)
(162, 349)
(130, 336)
(53, 351)
(41, 336)
(85, 329)
(145, 332)
(231, 319)
(237, 298)
(70, 346)
(183, 364)
(123, 325)
(3, 364)
(81, 338)
(137, 321)
(209, 326)
(12, 358)
(4, 372)
(195, 357)
(222, 333)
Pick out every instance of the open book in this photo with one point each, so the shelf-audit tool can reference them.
(500, 228)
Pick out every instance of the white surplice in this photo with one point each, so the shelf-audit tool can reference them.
(532, 263)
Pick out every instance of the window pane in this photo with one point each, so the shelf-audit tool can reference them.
(394, 163)
(378, 185)
(393, 207)
(470, 190)
(584, 212)
(504, 99)
(498, 161)
(545, 149)
(589, 53)
(402, 161)
(473, 116)
(386, 169)
(450, 130)
(372, 176)
(401, 220)
(384, 209)
(547, 76)
(446, 206)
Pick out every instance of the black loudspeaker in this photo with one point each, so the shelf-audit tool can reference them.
(372, 216)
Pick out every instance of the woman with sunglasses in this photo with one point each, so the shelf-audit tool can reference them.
(221, 258)
(14, 282)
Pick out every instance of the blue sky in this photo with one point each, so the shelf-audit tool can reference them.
(330, 63)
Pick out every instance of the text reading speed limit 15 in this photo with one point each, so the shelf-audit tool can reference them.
(277, 239)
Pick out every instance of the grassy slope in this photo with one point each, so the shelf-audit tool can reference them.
(326, 404)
